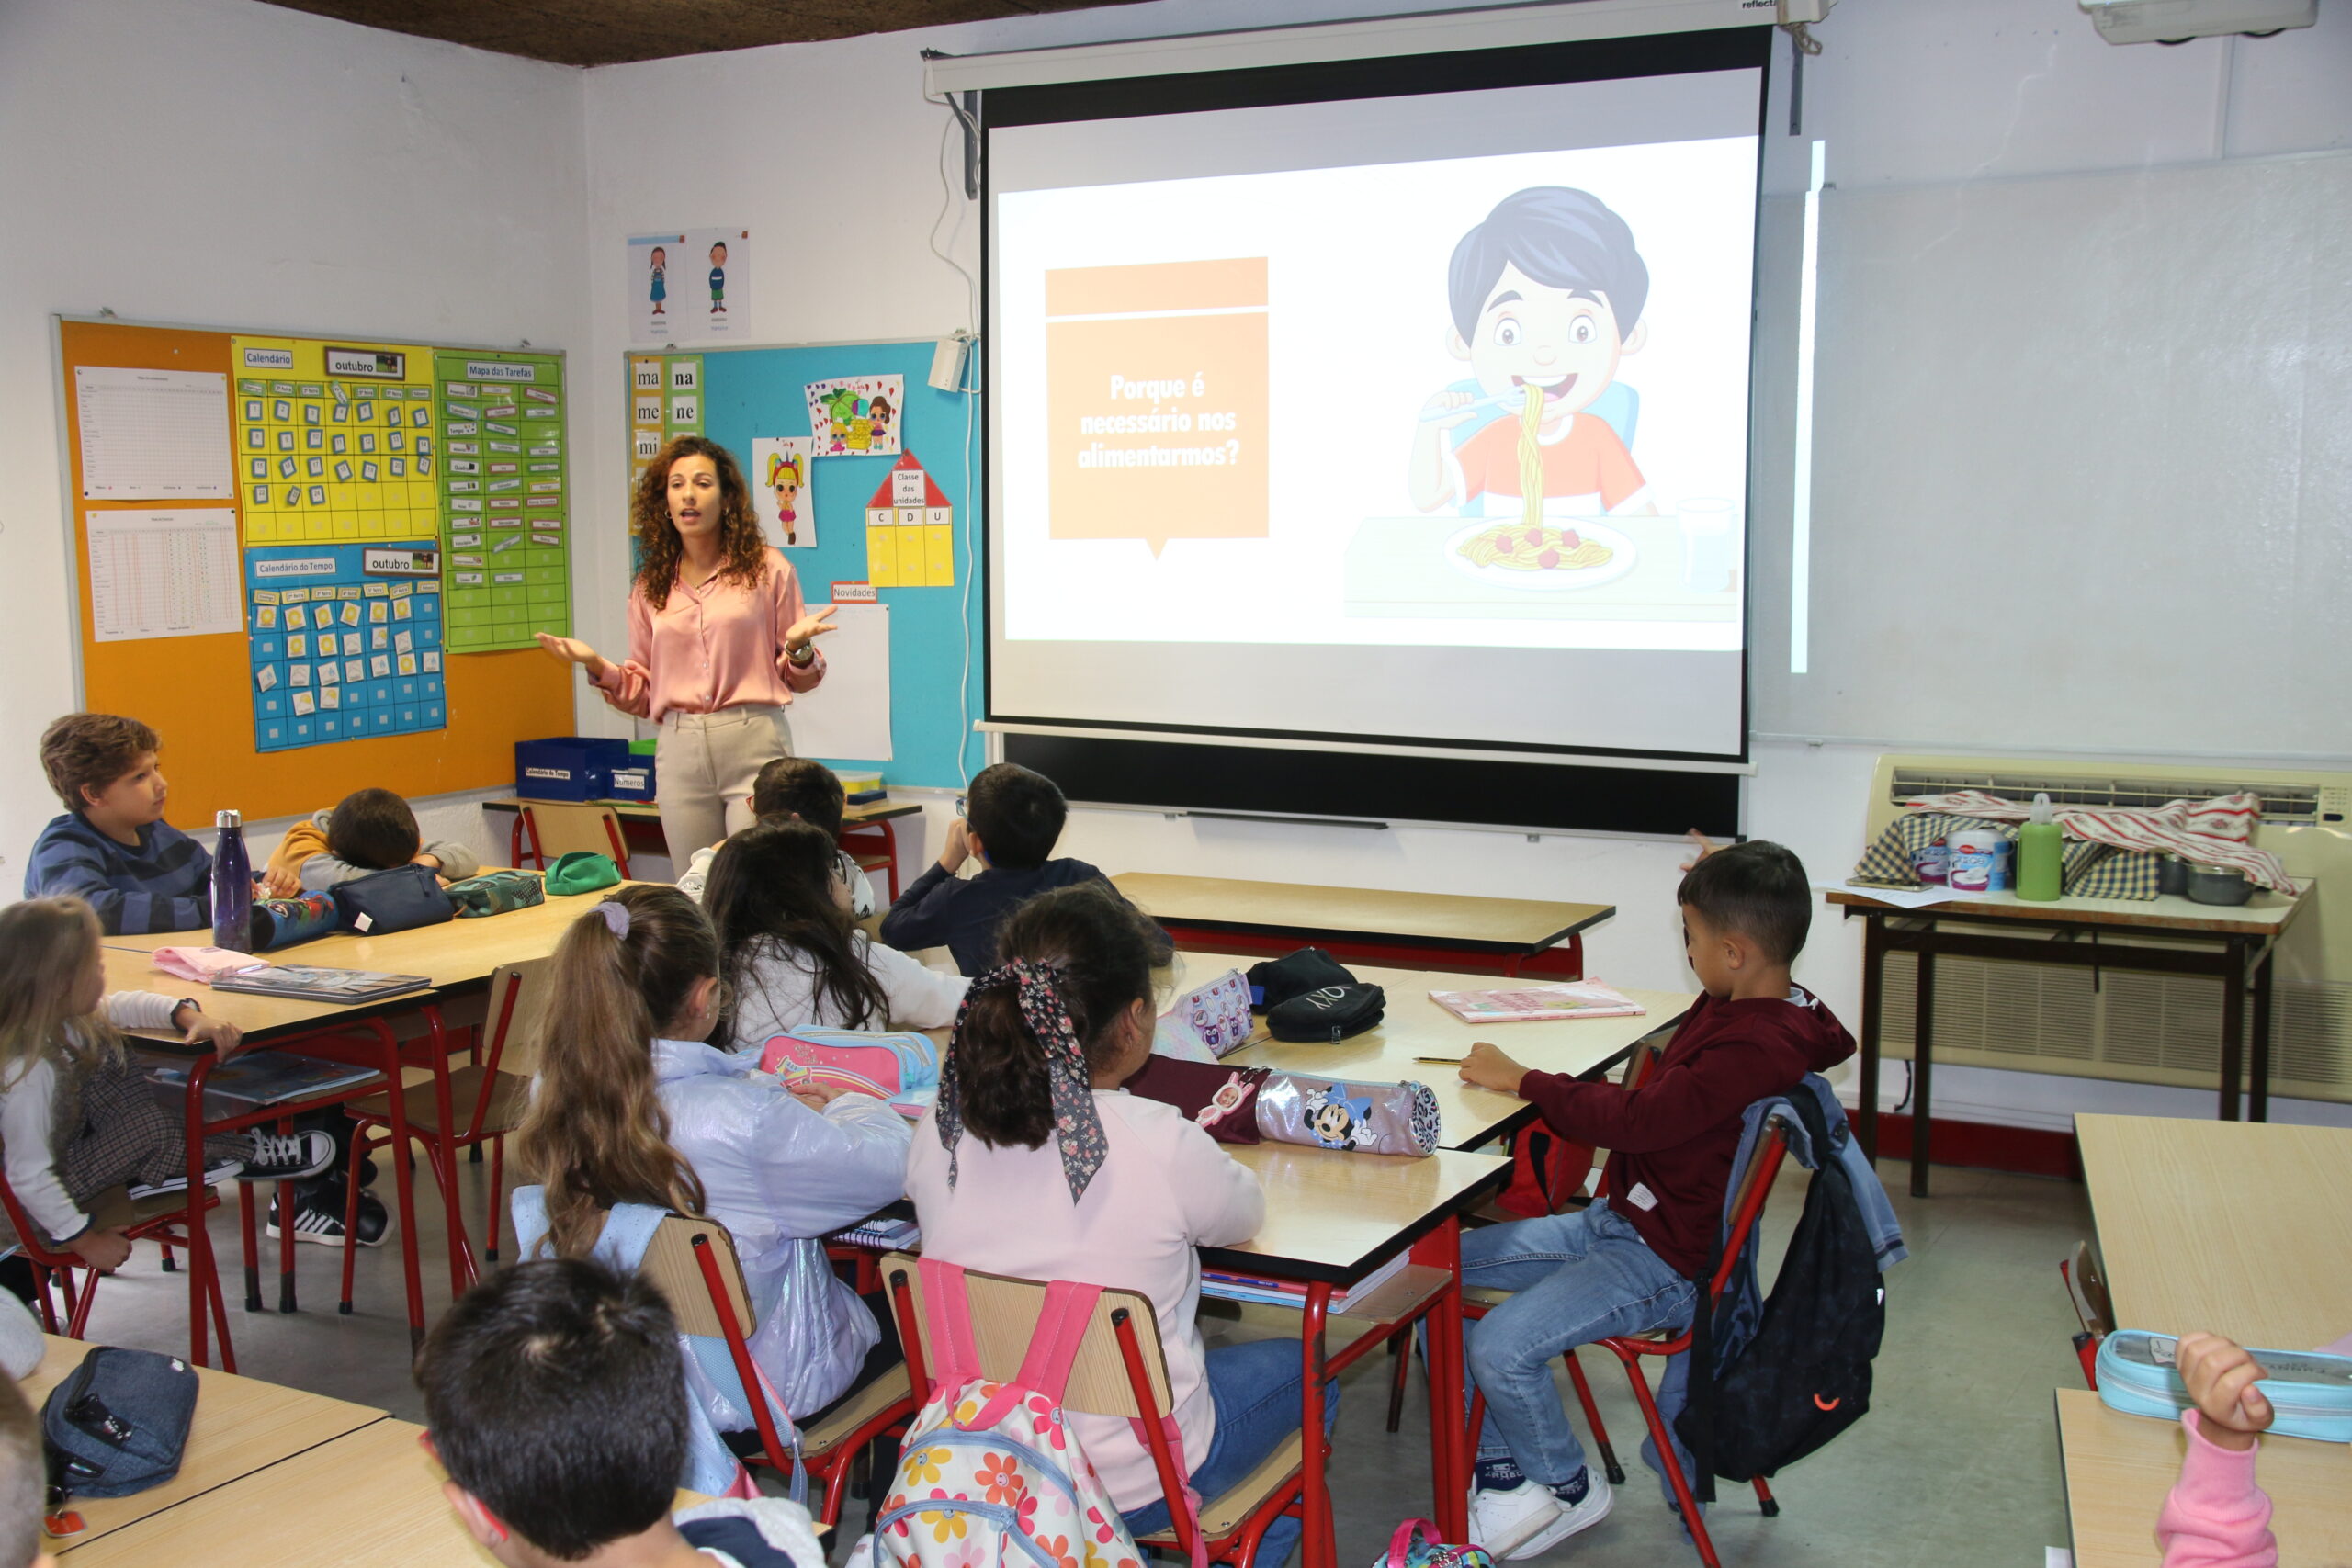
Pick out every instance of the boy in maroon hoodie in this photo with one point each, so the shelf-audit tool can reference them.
(1626, 1264)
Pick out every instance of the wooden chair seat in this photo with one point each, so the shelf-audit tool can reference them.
(507, 1101)
(860, 1408)
(1223, 1516)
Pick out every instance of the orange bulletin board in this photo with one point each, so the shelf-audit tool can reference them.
(196, 691)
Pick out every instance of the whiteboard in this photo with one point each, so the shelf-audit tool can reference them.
(849, 713)
(2083, 464)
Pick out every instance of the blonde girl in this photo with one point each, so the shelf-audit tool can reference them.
(632, 1105)
(76, 1115)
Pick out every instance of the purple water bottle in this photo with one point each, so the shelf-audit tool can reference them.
(233, 883)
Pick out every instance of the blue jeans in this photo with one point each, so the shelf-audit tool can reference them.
(1578, 1277)
(1255, 1389)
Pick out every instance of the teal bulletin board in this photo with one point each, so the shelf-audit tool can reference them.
(754, 392)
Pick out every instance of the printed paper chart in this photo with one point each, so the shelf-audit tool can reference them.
(345, 640)
(334, 440)
(505, 518)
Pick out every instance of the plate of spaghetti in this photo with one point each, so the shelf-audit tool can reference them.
(1543, 557)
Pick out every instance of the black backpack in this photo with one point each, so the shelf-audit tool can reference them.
(1805, 1375)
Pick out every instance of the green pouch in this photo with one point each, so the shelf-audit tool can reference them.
(580, 872)
(494, 893)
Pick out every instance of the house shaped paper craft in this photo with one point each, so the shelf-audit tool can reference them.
(910, 530)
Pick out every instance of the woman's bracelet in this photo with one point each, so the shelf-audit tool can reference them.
(803, 656)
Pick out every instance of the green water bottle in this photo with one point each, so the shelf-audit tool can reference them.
(2042, 845)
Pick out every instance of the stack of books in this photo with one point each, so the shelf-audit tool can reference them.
(881, 1234)
(1293, 1292)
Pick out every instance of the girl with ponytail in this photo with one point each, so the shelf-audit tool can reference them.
(632, 1105)
(1035, 1164)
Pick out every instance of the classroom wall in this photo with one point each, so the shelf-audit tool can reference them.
(1916, 98)
(219, 163)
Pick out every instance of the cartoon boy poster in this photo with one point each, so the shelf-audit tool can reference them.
(661, 275)
(1546, 294)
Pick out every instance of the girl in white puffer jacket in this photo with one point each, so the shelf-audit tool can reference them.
(631, 1106)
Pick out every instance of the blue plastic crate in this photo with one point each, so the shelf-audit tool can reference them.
(568, 767)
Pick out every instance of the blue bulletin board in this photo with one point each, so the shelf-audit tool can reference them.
(750, 393)
(345, 641)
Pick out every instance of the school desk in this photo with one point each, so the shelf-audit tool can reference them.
(2120, 1467)
(1331, 1219)
(864, 828)
(2239, 1228)
(369, 1499)
(1414, 930)
(2236, 944)
(1412, 1026)
(241, 1425)
(359, 1034)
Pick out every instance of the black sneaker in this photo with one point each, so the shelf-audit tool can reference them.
(320, 1221)
(221, 1171)
(288, 1156)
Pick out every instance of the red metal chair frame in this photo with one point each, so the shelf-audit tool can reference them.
(371, 1132)
(832, 1469)
(2086, 1339)
(166, 1230)
(1239, 1547)
(882, 832)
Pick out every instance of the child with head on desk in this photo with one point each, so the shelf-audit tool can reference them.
(633, 1106)
(77, 1116)
(791, 957)
(1035, 1164)
(1626, 1265)
(112, 847)
(1013, 817)
(556, 1402)
(371, 830)
(799, 788)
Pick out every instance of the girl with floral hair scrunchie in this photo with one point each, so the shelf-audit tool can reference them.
(1035, 1164)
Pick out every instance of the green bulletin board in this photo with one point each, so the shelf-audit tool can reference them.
(505, 503)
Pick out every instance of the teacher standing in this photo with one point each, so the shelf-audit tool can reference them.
(718, 643)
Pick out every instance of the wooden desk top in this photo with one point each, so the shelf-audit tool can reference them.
(1336, 1217)
(457, 952)
(370, 1499)
(1519, 925)
(241, 1425)
(2236, 1227)
(1415, 1026)
(2266, 914)
(2120, 1467)
(871, 811)
(132, 969)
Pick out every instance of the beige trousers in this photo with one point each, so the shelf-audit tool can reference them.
(705, 765)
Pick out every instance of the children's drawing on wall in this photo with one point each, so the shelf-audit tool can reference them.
(856, 415)
(660, 313)
(788, 511)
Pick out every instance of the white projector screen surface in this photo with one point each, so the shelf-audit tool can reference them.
(1261, 443)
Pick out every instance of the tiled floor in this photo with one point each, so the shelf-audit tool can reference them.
(1956, 1464)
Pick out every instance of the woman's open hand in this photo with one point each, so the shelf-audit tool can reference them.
(804, 631)
(572, 650)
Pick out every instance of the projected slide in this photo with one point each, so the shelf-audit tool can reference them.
(1488, 402)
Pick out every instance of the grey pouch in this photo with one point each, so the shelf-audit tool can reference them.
(1332, 1113)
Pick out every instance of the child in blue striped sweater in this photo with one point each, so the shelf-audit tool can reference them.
(112, 849)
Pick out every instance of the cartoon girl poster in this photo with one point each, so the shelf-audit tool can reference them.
(782, 469)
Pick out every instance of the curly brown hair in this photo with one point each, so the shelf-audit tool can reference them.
(741, 546)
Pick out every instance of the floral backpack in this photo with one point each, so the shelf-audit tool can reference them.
(989, 1472)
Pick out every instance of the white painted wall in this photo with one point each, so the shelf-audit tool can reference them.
(218, 163)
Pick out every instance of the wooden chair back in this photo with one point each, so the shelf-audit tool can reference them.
(1004, 1318)
(563, 828)
(669, 1263)
(518, 1004)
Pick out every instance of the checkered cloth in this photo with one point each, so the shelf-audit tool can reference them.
(2086, 870)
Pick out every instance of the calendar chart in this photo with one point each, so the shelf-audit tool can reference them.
(346, 642)
(333, 440)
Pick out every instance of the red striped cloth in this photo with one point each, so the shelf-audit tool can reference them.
(2209, 832)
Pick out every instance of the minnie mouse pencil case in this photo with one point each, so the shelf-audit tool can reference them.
(2309, 1391)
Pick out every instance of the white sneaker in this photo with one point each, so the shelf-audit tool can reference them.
(221, 1171)
(1528, 1520)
